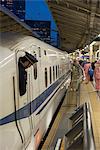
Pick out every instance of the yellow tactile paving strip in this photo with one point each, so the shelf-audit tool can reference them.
(88, 94)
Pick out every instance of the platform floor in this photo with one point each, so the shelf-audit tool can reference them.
(58, 129)
(87, 94)
(74, 98)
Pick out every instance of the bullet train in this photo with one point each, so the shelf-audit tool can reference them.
(34, 77)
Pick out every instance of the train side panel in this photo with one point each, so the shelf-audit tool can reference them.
(9, 136)
(27, 117)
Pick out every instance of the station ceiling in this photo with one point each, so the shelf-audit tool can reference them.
(78, 21)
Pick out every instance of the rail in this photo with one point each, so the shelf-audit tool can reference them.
(89, 143)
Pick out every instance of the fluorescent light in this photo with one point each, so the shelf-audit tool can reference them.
(99, 35)
(93, 43)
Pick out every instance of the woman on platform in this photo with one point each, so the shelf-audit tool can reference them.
(97, 76)
(86, 69)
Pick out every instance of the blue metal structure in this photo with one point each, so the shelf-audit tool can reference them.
(39, 11)
(37, 15)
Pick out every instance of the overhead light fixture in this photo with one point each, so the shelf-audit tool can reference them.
(87, 46)
(98, 35)
(93, 43)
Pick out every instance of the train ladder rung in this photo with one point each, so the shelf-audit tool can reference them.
(77, 114)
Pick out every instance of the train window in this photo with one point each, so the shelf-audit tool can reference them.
(56, 72)
(45, 52)
(22, 78)
(53, 73)
(35, 71)
(98, 55)
(46, 78)
(39, 52)
(50, 75)
(24, 63)
(35, 55)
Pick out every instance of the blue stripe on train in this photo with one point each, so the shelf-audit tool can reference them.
(27, 110)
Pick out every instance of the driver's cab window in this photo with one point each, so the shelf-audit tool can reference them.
(24, 63)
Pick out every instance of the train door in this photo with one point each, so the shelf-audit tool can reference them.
(35, 80)
(24, 95)
(36, 88)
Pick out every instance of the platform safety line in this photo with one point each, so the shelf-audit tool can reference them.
(89, 92)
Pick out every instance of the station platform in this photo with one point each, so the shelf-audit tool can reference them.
(73, 99)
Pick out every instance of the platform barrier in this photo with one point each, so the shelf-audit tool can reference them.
(80, 136)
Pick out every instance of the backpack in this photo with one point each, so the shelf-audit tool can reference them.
(91, 72)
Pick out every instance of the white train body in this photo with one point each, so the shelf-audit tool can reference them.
(25, 119)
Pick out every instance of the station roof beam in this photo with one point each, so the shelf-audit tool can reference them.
(78, 21)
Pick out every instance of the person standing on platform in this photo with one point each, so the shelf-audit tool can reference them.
(86, 69)
(97, 76)
(91, 71)
(92, 67)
